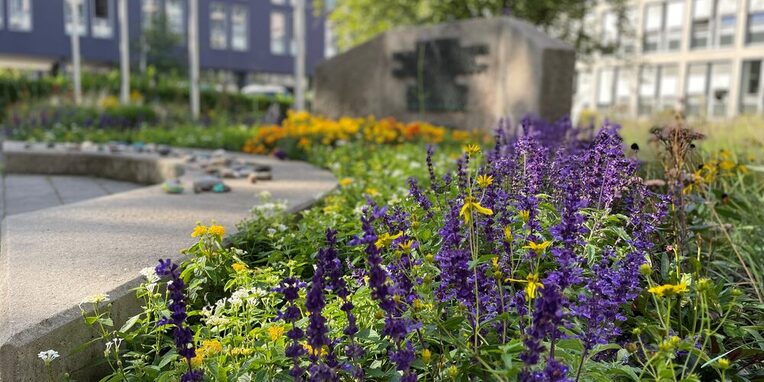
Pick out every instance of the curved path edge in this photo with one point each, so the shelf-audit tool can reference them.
(53, 258)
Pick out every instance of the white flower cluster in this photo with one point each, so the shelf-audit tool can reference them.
(95, 299)
(151, 278)
(217, 316)
(48, 356)
(116, 342)
(270, 208)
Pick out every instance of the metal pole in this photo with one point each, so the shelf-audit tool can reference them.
(75, 42)
(124, 53)
(299, 61)
(193, 56)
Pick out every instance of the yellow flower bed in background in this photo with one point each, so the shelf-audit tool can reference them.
(304, 130)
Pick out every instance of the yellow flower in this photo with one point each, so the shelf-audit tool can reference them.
(275, 332)
(525, 215)
(743, 169)
(508, 234)
(418, 305)
(539, 248)
(199, 230)
(724, 363)
(533, 285)
(726, 165)
(241, 351)
(344, 182)
(386, 239)
(484, 180)
(471, 149)
(198, 359)
(216, 230)
(426, 355)
(311, 351)
(406, 247)
(239, 267)
(470, 204)
(453, 371)
(211, 347)
(668, 289)
(372, 191)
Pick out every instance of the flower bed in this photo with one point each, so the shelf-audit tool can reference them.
(542, 258)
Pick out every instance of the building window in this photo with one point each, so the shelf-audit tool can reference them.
(663, 33)
(278, 33)
(629, 31)
(648, 80)
(696, 89)
(674, 16)
(605, 88)
(623, 87)
(149, 9)
(218, 26)
(653, 26)
(720, 88)
(668, 89)
(102, 16)
(20, 15)
(82, 29)
(755, 28)
(609, 28)
(175, 17)
(239, 27)
(713, 23)
(751, 98)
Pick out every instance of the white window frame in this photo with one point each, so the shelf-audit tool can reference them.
(82, 28)
(177, 28)
(283, 40)
(102, 28)
(215, 41)
(22, 22)
(239, 10)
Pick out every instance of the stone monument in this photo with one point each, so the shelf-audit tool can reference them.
(464, 74)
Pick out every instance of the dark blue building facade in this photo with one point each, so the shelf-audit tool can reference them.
(240, 36)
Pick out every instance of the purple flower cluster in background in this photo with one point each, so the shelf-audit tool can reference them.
(183, 336)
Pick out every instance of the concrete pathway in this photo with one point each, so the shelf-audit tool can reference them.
(26, 193)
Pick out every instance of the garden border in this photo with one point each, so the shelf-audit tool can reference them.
(51, 259)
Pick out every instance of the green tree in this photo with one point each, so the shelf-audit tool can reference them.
(356, 21)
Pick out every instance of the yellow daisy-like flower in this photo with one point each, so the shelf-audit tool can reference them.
(212, 346)
(239, 267)
(318, 353)
(724, 363)
(275, 332)
(743, 169)
(726, 165)
(344, 182)
(539, 248)
(372, 191)
(453, 371)
(216, 230)
(508, 234)
(406, 247)
(199, 230)
(426, 355)
(471, 149)
(470, 205)
(525, 215)
(484, 180)
(533, 285)
(198, 359)
(386, 239)
(668, 289)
